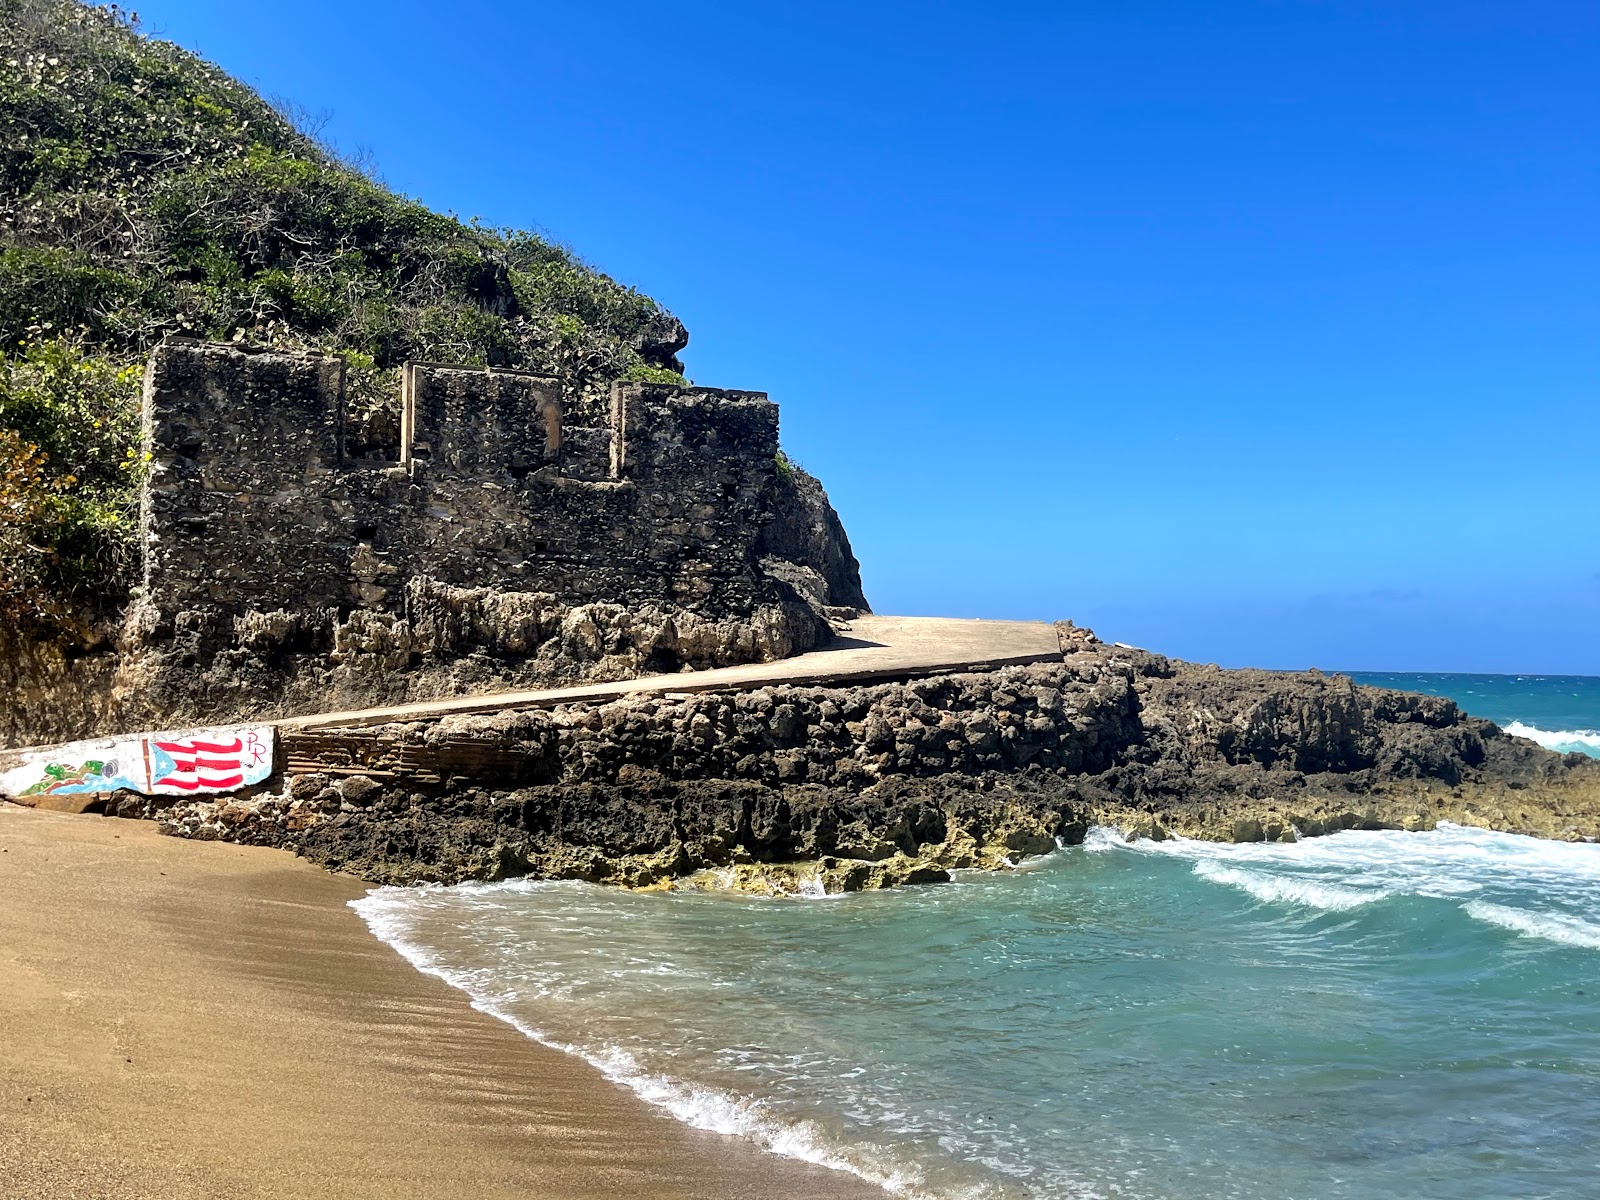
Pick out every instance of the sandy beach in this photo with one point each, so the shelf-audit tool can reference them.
(186, 1019)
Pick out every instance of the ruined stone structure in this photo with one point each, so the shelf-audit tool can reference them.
(252, 506)
(497, 544)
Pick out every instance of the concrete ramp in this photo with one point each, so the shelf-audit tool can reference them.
(873, 649)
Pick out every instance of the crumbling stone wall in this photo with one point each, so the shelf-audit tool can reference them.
(252, 508)
(501, 543)
(1071, 716)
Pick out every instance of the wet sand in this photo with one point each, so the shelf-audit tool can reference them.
(190, 1019)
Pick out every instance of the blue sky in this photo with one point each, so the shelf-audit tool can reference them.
(1252, 333)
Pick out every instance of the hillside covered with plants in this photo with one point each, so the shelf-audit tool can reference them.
(145, 193)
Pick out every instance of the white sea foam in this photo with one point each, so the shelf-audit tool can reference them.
(1552, 927)
(1584, 741)
(1103, 839)
(1510, 880)
(1287, 889)
(615, 978)
(385, 910)
(1033, 862)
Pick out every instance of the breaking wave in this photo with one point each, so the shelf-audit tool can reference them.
(1550, 926)
(1565, 741)
(1278, 888)
(1530, 886)
(967, 1042)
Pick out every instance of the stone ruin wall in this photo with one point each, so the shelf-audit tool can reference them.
(252, 506)
(498, 545)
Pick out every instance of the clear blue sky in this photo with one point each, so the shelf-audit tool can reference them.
(1253, 333)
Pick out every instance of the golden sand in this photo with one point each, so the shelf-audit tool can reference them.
(187, 1019)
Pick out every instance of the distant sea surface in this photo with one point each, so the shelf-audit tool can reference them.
(1367, 1015)
(1560, 712)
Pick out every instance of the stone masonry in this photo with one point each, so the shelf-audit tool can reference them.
(252, 506)
(498, 544)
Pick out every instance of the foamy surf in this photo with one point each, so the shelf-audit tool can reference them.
(1548, 926)
(972, 1041)
(1273, 889)
(1564, 741)
(1356, 868)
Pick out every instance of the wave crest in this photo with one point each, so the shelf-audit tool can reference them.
(1584, 741)
(1270, 889)
(1549, 926)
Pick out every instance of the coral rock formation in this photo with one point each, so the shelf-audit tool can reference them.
(794, 788)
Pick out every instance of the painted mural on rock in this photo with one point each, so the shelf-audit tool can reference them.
(184, 763)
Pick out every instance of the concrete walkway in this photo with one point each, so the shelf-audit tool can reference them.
(874, 648)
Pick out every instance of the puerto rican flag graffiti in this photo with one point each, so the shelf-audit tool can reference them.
(182, 763)
(207, 760)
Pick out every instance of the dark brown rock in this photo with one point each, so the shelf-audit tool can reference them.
(950, 771)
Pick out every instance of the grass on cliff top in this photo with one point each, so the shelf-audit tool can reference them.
(144, 192)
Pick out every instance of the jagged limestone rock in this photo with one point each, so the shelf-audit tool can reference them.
(897, 781)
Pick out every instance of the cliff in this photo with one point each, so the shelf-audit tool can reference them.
(277, 440)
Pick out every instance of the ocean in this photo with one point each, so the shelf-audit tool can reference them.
(1364, 1015)
(1560, 712)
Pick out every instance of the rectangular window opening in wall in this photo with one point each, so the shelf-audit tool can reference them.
(373, 418)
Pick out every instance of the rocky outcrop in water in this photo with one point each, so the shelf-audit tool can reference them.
(783, 788)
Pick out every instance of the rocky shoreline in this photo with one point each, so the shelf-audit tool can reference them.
(783, 789)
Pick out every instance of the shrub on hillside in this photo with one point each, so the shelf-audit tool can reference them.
(144, 192)
(70, 467)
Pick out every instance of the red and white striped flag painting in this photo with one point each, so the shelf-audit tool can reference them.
(207, 761)
(183, 762)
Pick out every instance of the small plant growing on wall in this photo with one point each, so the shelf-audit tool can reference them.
(640, 373)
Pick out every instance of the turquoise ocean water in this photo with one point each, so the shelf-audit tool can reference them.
(1371, 1014)
(1560, 712)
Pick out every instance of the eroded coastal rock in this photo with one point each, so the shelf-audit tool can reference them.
(796, 788)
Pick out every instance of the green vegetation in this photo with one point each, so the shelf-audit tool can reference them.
(648, 374)
(143, 192)
(68, 475)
